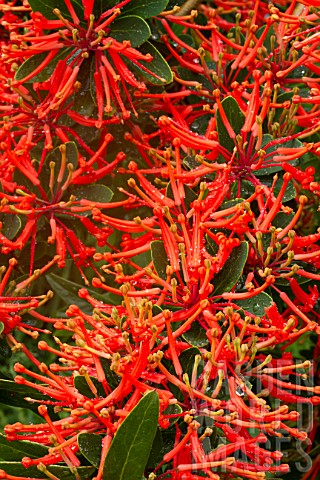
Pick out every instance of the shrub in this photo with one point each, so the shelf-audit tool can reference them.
(161, 259)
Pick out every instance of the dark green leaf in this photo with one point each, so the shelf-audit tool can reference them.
(266, 139)
(85, 100)
(14, 395)
(55, 156)
(68, 292)
(112, 378)
(289, 193)
(1, 327)
(33, 62)
(145, 8)
(63, 473)
(90, 446)
(232, 269)
(158, 66)
(281, 220)
(83, 387)
(159, 258)
(190, 195)
(155, 453)
(196, 335)
(131, 28)
(302, 346)
(93, 192)
(129, 451)
(190, 162)
(187, 359)
(173, 409)
(5, 350)
(46, 7)
(257, 304)
(211, 245)
(14, 451)
(11, 225)
(236, 120)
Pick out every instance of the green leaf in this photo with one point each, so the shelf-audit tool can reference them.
(11, 225)
(236, 120)
(72, 155)
(112, 378)
(85, 100)
(129, 451)
(145, 8)
(155, 453)
(257, 304)
(90, 446)
(1, 327)
(171, 410)
(14, 395)
(190, 195)
(295, 143)
(232, 269)
(290, 191)
(82, 386)
(33, 62)
(131, 28)
(46, 7)
(303, 345)
(187, 359)
(5, 350)
(14, 451)
(63, 473)
(158, 65)
(196, 335)
(159, 257)
(68, 292)
(94, 192)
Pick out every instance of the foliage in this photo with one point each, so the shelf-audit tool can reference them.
(159, 185)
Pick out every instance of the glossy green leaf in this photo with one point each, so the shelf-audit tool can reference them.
(94, 192)
(155, 452)
(85, 100)
(129, 451)
(173, 409)
(131, 28)
(11, 225)
(290, 191)
(112, 378)
(144, 8)
(35, 61)
(232, 269)
(15, 450)
(266, 139)
(61, 472)
(157, 65)
(1, 327)
(159, 258)
(68, 292)
(90, 446)
(236, 120)
(46, 7)
(256, 304)
(187, 359)
(14, 395)
(14, 389)
(196, 335)
(82, 386)
(55, 157)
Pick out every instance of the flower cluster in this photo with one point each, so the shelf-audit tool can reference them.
(159, 171)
